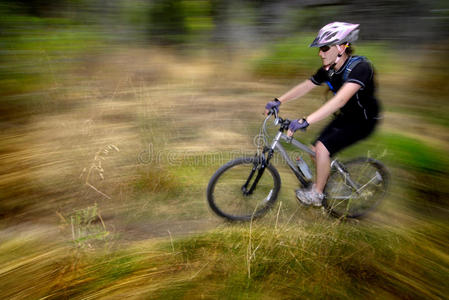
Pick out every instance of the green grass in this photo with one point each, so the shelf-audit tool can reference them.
(324, 259)
(292, 58)
(287, 58)
(414, 154)
(40, 51)
(402, 151)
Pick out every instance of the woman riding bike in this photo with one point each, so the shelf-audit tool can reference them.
(351, 79)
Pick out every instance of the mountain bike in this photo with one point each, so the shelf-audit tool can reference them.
(246, 188)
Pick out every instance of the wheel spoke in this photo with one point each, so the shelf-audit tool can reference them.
(227, 197)
(370, 179)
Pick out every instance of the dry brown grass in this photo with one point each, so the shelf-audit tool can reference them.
(63, 158)
(132, 99)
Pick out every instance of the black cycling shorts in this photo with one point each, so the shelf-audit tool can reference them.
(341, 133)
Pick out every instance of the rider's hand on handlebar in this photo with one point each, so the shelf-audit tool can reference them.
(300, 124)
(272, 105)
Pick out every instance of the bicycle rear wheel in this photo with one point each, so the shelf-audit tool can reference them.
(371, 182)
(229, 199)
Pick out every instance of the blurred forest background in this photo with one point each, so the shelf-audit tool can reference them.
(114, 115)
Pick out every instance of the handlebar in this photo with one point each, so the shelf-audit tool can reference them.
(284, 123)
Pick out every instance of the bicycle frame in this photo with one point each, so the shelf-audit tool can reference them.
(277, 146)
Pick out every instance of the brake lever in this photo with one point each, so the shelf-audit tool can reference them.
(276, 117)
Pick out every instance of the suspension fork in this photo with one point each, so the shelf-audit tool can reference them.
(260, 164)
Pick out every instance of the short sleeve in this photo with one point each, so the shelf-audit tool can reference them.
(319, 77)
(361, 74)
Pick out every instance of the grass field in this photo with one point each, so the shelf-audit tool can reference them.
(103, 179)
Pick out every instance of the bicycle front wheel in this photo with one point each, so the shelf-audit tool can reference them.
(227, 192)
(369, 185)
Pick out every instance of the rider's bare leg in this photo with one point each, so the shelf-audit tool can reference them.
(313, 156)
(323, 166)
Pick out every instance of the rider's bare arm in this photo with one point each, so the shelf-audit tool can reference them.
(298, 91)
(335, 103)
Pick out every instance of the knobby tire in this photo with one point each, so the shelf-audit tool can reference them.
(372, 179)
(225, 195)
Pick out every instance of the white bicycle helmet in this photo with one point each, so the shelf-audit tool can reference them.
(336, 33)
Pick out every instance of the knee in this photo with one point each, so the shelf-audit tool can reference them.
(321, 150)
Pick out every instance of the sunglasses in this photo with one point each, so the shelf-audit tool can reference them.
(324, 48)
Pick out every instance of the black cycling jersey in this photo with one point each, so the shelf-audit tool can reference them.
(363, 105)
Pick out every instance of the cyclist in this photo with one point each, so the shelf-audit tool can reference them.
(351, 78)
